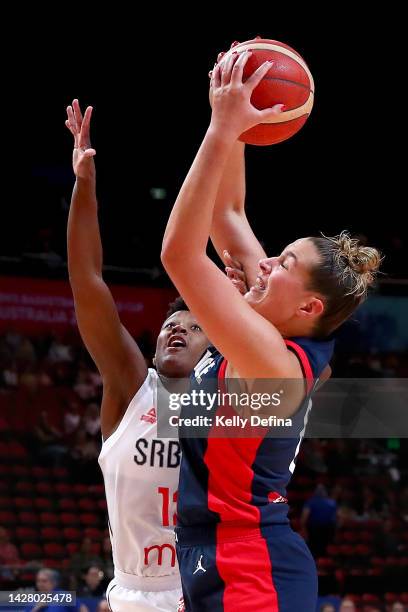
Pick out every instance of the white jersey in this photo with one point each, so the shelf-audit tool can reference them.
(141, 475)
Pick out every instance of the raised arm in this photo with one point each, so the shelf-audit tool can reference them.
(230, 229)
(112, 348)
(230, 323)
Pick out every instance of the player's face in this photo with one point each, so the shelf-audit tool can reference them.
(281, 292)
(180, 344)
(43, 582)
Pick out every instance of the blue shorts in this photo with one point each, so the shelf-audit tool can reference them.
(267, 569)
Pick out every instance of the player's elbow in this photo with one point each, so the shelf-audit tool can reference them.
(171, 255)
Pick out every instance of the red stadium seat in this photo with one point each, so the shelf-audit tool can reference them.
(72, 533)
(52, 563)
(69, 518)
(29, 550)
(66, 503)
(97, 490)
(41, 473)
(362, 550)
(89, 519)
(26, 534)
(6, 503)
(63, 489)
(44, 489)
(23, 503)
(50, 533)
(49, 518)
(16, 451)
(24, 487)
(80, 490)
(43, 503)
(28, 518)
(7, 518)
(93, 533)
(20, 471)
(60, 473)
(54, 550)
(369, 598)
(346, 550)
(87, 505)
(72, 548)
(390, 598)
(325, 564)
(4, 487)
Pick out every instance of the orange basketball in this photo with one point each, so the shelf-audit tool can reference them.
(289, 82)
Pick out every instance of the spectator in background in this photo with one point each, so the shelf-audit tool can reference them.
(327, 607)
(25, 353)
(10, 375)
(47, 582)
(319, 520)
(103, 606)
(85, 448)
(48, 441)
(92, 421)
(83, 559)
(9, 557)
(397, 606)
(59, 351)
(387, 541)
(83, 457)
(93, 582)
(72, 418)
(107, 566)
(84, 385)
(347, 605)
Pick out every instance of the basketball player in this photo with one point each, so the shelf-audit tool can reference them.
(140, 470)
(235, 548)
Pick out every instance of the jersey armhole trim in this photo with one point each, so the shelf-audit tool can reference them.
(304, 363)
(128, 415)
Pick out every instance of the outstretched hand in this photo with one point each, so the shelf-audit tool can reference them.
(235, 272)
(232, 111)
(79, 126)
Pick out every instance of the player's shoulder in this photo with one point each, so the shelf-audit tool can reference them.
(315, 353)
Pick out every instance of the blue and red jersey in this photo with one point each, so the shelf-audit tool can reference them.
(241, 482)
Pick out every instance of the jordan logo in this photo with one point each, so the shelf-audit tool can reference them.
(150, 417)
(199, 566)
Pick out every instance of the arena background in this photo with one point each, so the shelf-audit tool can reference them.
(147, 80)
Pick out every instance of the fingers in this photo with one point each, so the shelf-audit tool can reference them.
(238, 68)
(238, 284)
(70, 122)
(216, 77)
(234, 274)
(84, 140)
(230, 261)
(226, 68)
(242, 288)
(258, 75)
(77, 114)
(269, 113)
